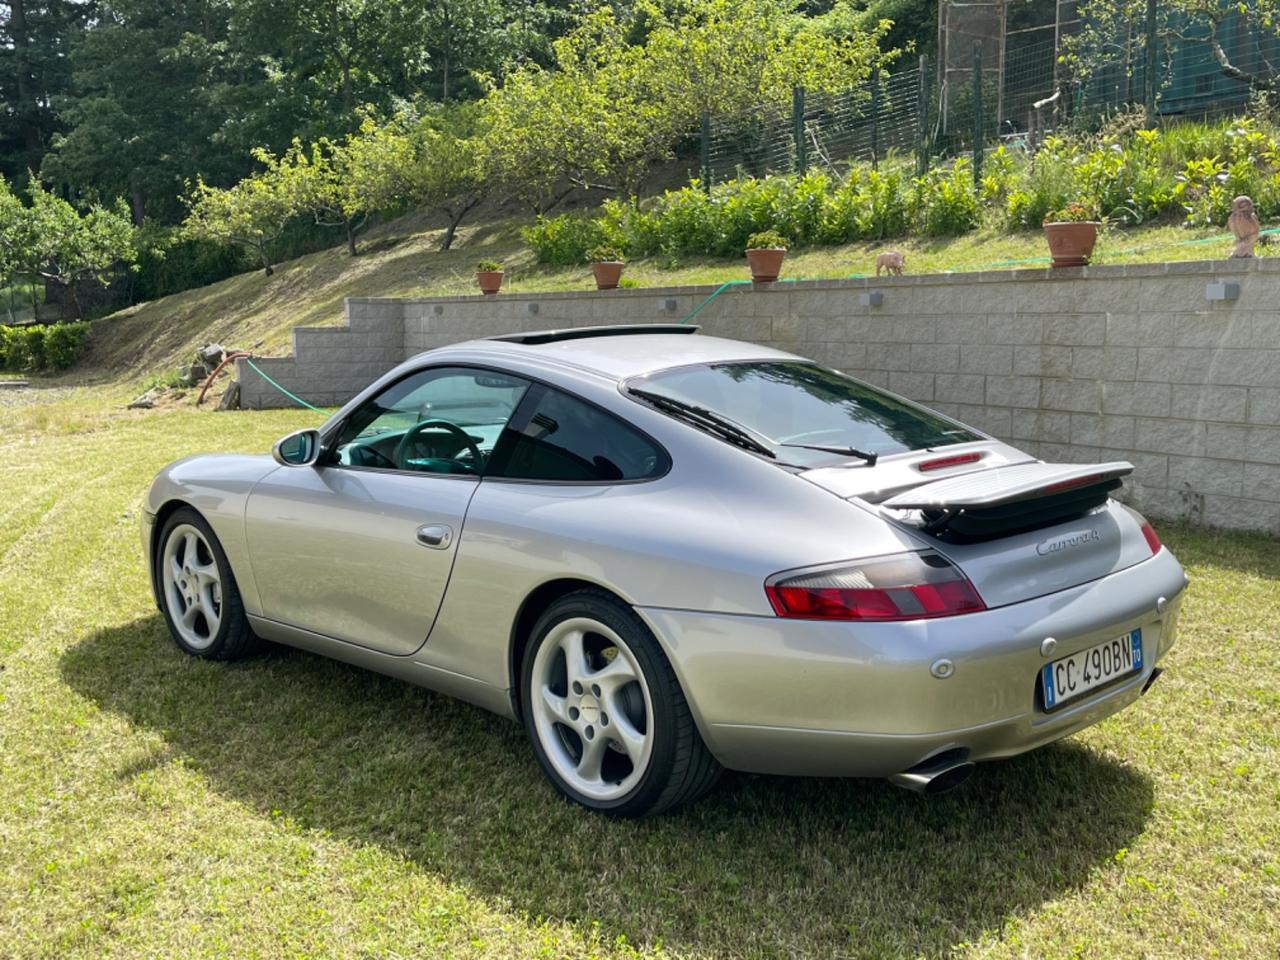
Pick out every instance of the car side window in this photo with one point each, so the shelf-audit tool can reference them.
(443, 420)
(559, 438)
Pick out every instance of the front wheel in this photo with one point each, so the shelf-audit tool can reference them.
(607, 718)
(198, 594)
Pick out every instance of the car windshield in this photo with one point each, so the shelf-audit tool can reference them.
(790, 403)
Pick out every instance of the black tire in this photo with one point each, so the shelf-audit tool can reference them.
(233, 639)
(680, 767)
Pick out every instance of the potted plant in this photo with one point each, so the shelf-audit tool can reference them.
(606, 263)
(489, 276)
(765, 252)
(1071, 232)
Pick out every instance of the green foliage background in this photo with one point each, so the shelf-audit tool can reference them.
(1186, 173)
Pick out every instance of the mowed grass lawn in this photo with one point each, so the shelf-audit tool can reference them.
(156, 806)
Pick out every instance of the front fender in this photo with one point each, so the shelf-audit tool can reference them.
(217, 486)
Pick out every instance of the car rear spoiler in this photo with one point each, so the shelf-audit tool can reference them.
(1005, 500)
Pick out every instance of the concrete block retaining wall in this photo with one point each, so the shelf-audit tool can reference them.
(1128, 362)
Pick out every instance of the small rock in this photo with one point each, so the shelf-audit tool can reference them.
(230, 397)
(145, 402)
(211, 354)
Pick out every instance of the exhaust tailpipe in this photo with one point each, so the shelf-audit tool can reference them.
(937, 774)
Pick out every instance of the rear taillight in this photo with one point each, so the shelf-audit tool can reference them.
(941, 463)
(908, 586)
(1152, 538)
(1072, 484)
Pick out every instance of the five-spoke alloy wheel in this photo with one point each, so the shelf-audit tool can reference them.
(605, 713)
(192, 586)
(198, 594)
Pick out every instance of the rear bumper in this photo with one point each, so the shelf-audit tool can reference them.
(831, 699)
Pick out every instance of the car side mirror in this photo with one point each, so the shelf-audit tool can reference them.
(298, 449)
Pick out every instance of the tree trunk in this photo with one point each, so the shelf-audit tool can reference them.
(31, 137)
(74, 288)
(266, 260)
(351, 239)
(455, 217)
(137, 202)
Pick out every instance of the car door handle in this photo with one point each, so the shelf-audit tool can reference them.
(435, 535)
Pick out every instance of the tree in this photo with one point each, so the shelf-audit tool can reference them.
(145, 110)
(15, 237)
(336, 56)
(449, 171)
(51, 241)
(34, 74)
(547, 132)
(252, 214)
(468, 37)
(626, 90)
(341, 184)
(1113, 33)
(729, 56)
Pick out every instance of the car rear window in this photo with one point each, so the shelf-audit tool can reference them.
(794, 402)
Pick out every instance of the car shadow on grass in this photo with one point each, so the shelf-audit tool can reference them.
(761, 866)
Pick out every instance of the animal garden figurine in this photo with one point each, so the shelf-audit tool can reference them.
(1243, 223)
(891, 260)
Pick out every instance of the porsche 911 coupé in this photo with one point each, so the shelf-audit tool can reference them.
(667, 553)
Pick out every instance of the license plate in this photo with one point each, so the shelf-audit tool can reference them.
(1076, 675)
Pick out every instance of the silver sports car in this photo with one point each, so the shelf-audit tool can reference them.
(666, 554)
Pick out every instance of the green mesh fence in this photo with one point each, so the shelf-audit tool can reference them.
(914, 110)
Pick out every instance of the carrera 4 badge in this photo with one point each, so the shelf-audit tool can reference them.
(1066, 542)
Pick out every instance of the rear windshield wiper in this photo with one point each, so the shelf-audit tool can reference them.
(707, 420)
(870, 458)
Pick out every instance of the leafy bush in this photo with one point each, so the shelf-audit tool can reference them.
(488, 266)
(63, 344)
(563, 240)
(1000, 177)
(605, 253)
(876, 203)
(1048, 184)
(766, 240)
(35, 348)
(944, 202)
(21, 348)
(169, 262)
(1072, 213)
(1189, 171)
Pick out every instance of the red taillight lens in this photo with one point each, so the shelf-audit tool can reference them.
(941, 463)
(1152, 538)
(1071, 484)
(909, 586)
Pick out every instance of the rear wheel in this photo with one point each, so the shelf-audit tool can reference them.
(607, 718)
(198, 594)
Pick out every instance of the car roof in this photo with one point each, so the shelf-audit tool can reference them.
(621, 357)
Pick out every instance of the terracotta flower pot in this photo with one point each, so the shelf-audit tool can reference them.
(490, 281)
(607, 273)
(766, 263)
(1071, 243)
